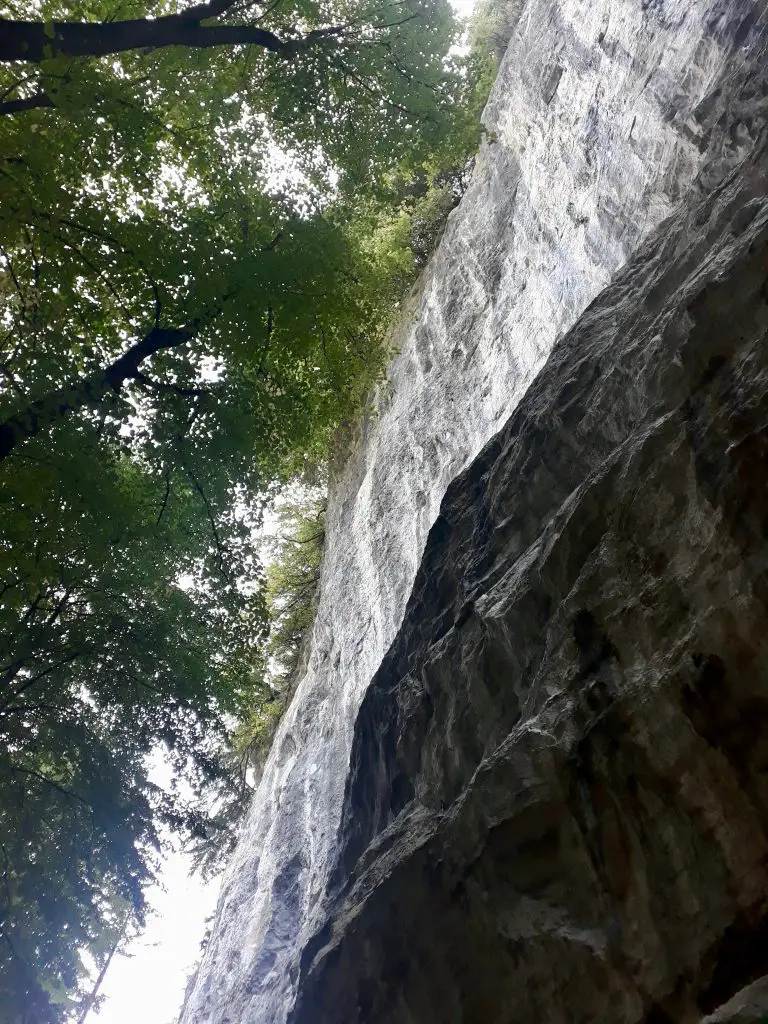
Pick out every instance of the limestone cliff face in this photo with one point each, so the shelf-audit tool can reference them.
(403, 861)
(557, 807)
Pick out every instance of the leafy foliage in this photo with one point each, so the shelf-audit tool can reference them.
(293, 584)
(200, 249)
(104, 655)
(492, 26)
(293, 581)
(291, 593)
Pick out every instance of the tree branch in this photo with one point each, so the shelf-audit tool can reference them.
(12, 669)
(90, 999)
(50, 782)
(35, 102)
(177, 389)
(220, 549)
(90, 391)
(166, 496)
(35, 679)
(30, 709)
(6, 878)
(34, 41)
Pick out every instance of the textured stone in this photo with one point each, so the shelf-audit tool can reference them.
(750, 1006)
(557, 808)
(606, 113)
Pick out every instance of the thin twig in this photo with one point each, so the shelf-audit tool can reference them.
(44, 778)
(220, 549)
(165, 497)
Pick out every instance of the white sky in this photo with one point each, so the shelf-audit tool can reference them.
(145, 985)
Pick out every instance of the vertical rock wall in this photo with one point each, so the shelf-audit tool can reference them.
(557, 805)
(605, 113)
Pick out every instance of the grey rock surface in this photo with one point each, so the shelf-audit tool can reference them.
(605, 115)
(750, 1006)
(557, 808)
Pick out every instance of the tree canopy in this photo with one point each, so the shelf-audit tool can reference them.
(197, 266)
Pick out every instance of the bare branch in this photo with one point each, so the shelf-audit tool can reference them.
(99, 273)
(35, 102)
(166, 496)
(49, 782)
(220, 549)
(40, 675)
(14, 278)
(178, 389)
(273, 244)
(394, 24)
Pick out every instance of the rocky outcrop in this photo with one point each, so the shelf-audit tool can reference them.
(750, 1006)
(607, 114)
(558, 802)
